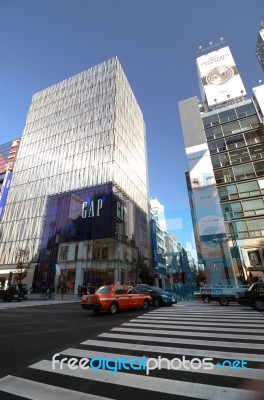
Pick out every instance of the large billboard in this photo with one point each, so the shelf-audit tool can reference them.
(205, 196)
(7, 155)
(219, 78)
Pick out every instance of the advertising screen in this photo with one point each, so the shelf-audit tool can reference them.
(219, 77)
(205, 196)
(4, 191)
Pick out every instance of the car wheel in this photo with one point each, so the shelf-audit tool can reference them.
(224, 301)
(113, 308)
(145, 305)
(259, 305)
(96, 312)
(157, 303)
(206, 299)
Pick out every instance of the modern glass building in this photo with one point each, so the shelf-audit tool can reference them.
(224, 141)
(79, 193)
(260, 46)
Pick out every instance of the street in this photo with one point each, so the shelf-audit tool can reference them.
(32, 335)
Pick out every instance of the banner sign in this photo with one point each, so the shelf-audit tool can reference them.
(4, 192)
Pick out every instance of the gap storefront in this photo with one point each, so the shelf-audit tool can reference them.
(91, 237)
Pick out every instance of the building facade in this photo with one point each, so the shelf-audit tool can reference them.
(260, 46)
(78, 202)
(224, 142)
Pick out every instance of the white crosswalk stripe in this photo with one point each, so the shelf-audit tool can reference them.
(192, 329)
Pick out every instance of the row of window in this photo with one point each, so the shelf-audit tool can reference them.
(241, 190)
(249, 228)
(229, 115)
(236, 141)
(240, 172)
(238, 156)
(232, 127)
(247, 208)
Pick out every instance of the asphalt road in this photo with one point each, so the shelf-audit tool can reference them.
(30, 336)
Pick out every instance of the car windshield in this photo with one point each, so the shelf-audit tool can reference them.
(157, 289)
(142, 288)
(103, 290)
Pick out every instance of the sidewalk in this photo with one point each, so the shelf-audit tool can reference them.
(55, 296)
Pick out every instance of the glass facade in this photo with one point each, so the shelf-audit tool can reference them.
(237, 159)
(234, 135)
(89, 232)
(85, 131)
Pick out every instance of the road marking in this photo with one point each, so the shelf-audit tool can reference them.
(160, 385)
(171, 324)
(213, 343)
(192, 334)
(249, 373)
(34, 390)
(183, 321)
(179, 351)
(212, 315)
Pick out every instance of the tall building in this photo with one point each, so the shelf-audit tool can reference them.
(78, 201)
(260, 46)
(224, 137)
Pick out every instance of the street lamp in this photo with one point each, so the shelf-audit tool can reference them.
(220, 241)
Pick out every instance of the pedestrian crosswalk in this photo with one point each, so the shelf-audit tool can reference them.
(232, 337)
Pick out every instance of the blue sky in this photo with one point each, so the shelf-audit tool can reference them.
(46, 41)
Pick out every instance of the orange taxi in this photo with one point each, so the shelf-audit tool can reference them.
(115, 297)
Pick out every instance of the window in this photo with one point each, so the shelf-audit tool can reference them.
(63, 253)
(255, 136)
(104, 290)
(224, 176)
(232, 126)
(105, 253)
(248, 189)
(120, 291)
(232, 209)
(247, 109)
(235, 141)
(245, 171)
(220, 160)
(253, 207)
(227, 116)
(217, 146)
(214, 132)
(227, 192)
(256, 227)
(211, 120)
(257, 152)
(247, 122)
(259, 168)
(239, 156)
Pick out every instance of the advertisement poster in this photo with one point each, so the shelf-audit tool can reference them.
(219, 77)
(205, 196)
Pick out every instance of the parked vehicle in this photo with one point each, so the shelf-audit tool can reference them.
(23, 288)
(222, 294)
(11, 293)
(112, 298)
(159, 296)
(253, 297)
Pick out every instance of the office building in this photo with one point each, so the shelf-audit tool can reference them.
(78, 201)
(224, 142)
(260, 46)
